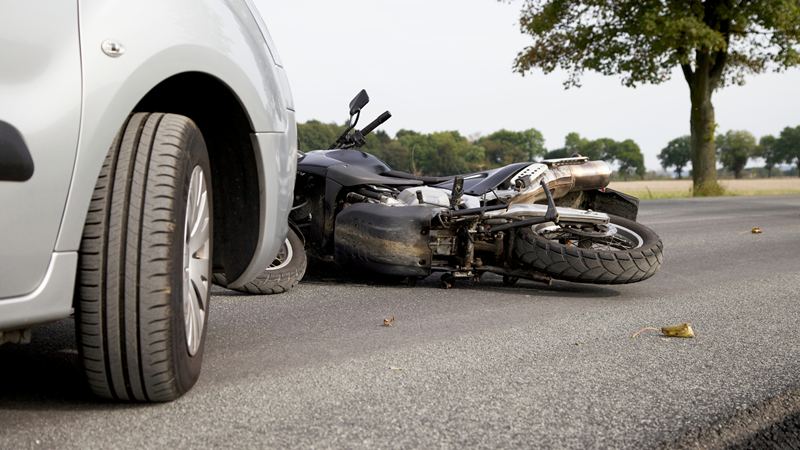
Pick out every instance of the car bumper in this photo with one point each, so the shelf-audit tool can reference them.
(51, 301)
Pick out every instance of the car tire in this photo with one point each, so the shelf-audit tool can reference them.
(143, 280)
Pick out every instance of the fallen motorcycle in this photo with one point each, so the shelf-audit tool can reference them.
(536, 221)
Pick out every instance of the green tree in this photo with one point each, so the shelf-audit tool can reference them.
(789, 146)
(628, 155)
(530, 142)
(677, 154)
(315, 135)
(768, 150)
(502, 153)
(557, 154)
(735, 149)
(574, 143)
(594, 150)
(437, 154)
(714, 42)
(396, 155)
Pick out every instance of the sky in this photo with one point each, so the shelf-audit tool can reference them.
(443, 65)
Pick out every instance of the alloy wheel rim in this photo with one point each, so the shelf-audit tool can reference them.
(618, 238)
(284, 256)
(196, 268)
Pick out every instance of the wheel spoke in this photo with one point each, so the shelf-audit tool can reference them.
(613, 242)
(283, 257)
(196, 255)
(198, 277)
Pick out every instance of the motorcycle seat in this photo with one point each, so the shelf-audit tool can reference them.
(408, 176)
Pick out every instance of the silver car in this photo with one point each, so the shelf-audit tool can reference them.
(143, 146)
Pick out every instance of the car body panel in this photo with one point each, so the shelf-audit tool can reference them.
(40, 96)
(220, 38)
(277, 169)
(217, 38)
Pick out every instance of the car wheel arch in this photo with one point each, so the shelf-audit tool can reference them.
(227, 129)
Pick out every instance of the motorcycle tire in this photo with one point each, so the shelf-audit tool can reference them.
(632, 253)
(284, 274)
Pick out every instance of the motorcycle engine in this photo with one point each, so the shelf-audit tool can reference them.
(430, 196)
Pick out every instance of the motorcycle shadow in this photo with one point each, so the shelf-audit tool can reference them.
(327, 273)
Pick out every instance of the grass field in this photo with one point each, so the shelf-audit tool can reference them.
(682, 188)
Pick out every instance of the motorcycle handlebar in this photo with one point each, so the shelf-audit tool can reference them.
(374, 124)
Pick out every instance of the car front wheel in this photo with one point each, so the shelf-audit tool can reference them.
(144, 272)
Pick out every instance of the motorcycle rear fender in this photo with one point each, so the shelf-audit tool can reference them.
(607, 200)
(384, 239)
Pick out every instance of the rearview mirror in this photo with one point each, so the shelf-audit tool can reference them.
(361, 99)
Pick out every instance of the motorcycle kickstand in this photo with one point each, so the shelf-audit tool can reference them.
(447, 281)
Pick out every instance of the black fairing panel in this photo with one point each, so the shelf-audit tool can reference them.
(607, 201)
(614, 202)
(318, 160)
(364, 160)
(482, 182)
(354, 175)
(316, 163)
(384, 239)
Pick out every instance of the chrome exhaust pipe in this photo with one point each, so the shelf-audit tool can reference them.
(563, 178)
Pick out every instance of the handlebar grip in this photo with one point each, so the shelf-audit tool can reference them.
(374, 124)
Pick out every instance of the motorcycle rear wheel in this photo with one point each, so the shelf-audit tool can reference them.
(628, 252)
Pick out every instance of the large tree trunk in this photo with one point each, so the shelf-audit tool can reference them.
(704, 151)
(702, 82)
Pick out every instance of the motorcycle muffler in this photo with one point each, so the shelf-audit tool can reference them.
(561, 178)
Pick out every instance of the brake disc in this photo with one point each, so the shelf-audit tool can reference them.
(599, 232)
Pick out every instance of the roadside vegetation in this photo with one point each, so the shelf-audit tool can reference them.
(448, 152)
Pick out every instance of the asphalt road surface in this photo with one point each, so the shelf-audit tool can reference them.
(483, 365)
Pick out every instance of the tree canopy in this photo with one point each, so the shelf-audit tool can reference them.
(626, 154)
(677, 154)
(713, 42)
(447, 152)
(527, 145)
(769, 151)
(789, 146)
(735, 149)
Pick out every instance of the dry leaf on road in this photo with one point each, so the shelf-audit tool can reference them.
(682, 330)
(388, 322)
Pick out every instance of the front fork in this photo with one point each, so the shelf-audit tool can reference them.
(469, 267)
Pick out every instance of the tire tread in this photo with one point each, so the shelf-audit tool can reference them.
(592, 266)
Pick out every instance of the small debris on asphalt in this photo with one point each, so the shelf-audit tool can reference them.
(683, 330)
(577, 343)
(388, 322)
(755, 230)
(396, 368)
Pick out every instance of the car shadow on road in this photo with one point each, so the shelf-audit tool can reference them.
(46, 374)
